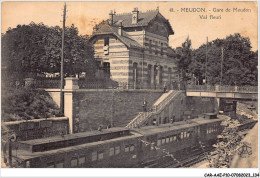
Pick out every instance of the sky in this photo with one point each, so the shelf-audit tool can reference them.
(85, 14)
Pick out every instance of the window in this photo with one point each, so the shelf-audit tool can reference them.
(161, 49)
(174, 138)
(82, 160)
(171, 139)
(181, 135)
(100, 156)
(126, 148)
(94, 156)
(184, 135)
(117, 150)
(167, 140)
(111, 151)
(188, 134)
(150, 46)
(132, 148)
(159, 142)
(60, 165)
(106, 41)
(74, 162)
(163, 140)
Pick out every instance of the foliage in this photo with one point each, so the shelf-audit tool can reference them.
(239, 62)
(34, 49)
(184, 56)
(27, 104)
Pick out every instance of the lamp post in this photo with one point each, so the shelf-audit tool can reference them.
(62, 61)
(221, 69)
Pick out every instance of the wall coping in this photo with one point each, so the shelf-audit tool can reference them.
(36, 120)
(104, 90)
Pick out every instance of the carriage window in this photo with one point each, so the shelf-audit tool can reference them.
(28, 164)
(163, 140)
(111, 151)
(94, 156)
(100, 156)
(188, 134)
(181, 135)
(117, 150)
(82, 160)
(159, 142)
(167, 140)
(171, 139)
(59, 164)
(74, 162)
(126, 148)
(50, 165)
(132, 148)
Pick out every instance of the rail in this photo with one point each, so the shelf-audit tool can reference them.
(223, 88)
(165, 102)
(143, 116)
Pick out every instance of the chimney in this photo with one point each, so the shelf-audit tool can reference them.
(120, 29)
(135, 16)
(111, 17)
(95, 28)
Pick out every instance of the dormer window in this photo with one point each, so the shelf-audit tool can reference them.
(106, 41)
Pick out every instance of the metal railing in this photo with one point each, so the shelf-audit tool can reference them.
(223, 88)
(166, 101)
(143, 116)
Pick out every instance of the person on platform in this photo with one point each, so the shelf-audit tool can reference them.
(164, 88)
(145, 106)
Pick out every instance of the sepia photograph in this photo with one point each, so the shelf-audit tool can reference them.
(120, 84)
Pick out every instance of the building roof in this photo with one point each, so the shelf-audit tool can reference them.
(73, 136)
(105, 28)
(144, 19)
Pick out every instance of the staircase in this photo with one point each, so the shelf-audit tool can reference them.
(157, 107)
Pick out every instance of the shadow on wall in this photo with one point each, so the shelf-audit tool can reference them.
(94, 108)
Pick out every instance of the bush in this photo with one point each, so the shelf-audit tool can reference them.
(27, 104)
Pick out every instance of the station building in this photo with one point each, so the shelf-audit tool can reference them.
(133, 49)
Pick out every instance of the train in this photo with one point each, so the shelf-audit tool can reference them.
(116, 147)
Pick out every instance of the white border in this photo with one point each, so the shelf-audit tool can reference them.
(140, 172)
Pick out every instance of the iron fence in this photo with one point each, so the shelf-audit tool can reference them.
(223, 88)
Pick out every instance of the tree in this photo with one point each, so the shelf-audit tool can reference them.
(239, 62)
(30, 50)
(183, 56)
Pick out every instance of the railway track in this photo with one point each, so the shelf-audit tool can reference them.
(192, 156)
(186, 159)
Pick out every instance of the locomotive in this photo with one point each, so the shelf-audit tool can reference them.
(116, 147)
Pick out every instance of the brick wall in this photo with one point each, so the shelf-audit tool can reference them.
(38, 128)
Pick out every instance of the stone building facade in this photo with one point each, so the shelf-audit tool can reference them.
(133, 49)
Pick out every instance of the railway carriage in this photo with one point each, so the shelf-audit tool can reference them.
(106, 148)
(116, 147)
